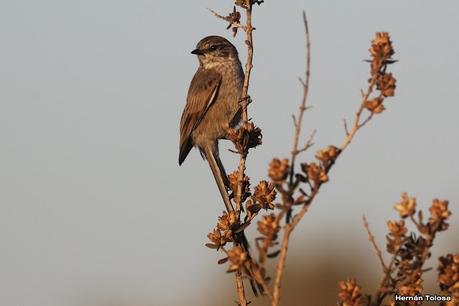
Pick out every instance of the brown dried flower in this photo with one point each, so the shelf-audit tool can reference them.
(242, 3)
(226, 221)
(217, 239)
(315, 172)
(278, 170)
(252, 209)
(381, 52)
(237, 258)
(381, 46)
(223, 232)
(264, 195)
(439, 209)
(233, 180)
(386, 84)
(375, 105)
(350, 293)
(439, 214)
(397, 229)
(269, 226)
(448, 275)
(245, 137)
(328, 155)
(406, 207)
(411, 289)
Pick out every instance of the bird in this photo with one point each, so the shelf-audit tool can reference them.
(212, 105)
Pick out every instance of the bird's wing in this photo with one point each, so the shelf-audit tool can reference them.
(201, 94)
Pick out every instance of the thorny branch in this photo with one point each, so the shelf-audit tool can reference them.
(299, 122)
(248, 68)
(294, 153)
(409, 252)
(371, 237)
(245, 97)
(381, 52)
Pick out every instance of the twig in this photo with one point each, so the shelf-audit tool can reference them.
(381, 292)
(244, 102)
(233, 24)
(289, 227)
(240, 289)
(371, 237)
(298, 123)
(245, 90)
(308, 143)
(345, 127)
(357, 124)
(418, 226)
(305, 83)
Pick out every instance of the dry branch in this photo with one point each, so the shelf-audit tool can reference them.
(317, 174)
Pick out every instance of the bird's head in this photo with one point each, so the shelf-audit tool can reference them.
(215, 50)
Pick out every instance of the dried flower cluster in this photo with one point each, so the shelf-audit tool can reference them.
(224, 231)
(237, 257)
(439, 214)
(350, 293)
(269, 228)
(233, 19)
(406, 207)
(233, 179)
(381, 53)
(278, 170)
(247, 136)
(264, 195)
(448, 276)
(315, 173)
(410, 251)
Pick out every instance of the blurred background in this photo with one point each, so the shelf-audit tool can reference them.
(94, 209)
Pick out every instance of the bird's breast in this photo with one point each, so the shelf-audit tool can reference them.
(224, 110)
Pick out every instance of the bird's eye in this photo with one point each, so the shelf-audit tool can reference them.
(213, 48)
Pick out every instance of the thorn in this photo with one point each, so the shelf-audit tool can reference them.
(345, 127)
(294, 120)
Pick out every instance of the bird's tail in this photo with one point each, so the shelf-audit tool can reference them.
(256, 287)
(219, 174)
(222, 182)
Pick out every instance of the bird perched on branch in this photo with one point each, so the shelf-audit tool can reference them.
(212, 105)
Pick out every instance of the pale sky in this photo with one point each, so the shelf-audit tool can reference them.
(93, 204)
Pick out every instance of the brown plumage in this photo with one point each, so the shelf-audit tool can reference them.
(212, 105)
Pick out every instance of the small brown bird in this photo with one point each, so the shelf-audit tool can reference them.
(212, 105)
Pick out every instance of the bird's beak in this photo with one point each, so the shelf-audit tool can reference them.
(197, 52)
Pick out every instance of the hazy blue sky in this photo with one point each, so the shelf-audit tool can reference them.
(93, 205)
